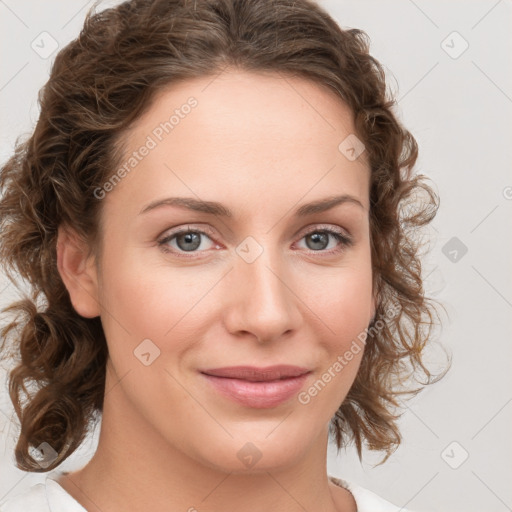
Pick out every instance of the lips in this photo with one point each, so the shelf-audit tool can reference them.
(255, 374)
(257, 387)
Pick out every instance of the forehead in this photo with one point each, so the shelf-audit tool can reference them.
(259, 133)
(235, 103)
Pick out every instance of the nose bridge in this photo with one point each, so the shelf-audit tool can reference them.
(264, 302)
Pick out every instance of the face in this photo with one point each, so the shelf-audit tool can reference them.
(258, 281)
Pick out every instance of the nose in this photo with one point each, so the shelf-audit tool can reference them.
(262, 298)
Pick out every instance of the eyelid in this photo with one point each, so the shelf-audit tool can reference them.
(341, 234)
(169, 235)
(210, 231)
(315, 226)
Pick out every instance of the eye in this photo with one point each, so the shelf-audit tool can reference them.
(317, 240)
(188, 240)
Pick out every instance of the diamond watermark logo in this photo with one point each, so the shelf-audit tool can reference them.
(455, 455)
(249, 250)
(351, 147)
(249, 455)
(44, 45)
(146, 352)
(454, 45)
(454, 249)
(44, 454)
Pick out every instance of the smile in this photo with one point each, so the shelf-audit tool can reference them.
(258, 388)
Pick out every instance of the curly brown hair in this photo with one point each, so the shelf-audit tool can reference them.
(102, 82)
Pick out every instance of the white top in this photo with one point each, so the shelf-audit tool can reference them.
(49, 496)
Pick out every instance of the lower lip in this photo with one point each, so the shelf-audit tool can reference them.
(258, 395)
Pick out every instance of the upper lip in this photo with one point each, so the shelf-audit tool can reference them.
(257, 374)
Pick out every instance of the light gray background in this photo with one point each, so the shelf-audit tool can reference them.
(459, 109)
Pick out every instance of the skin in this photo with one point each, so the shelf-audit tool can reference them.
(169, 441)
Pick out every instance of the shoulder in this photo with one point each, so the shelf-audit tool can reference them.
(366, 500)
(31, 500)
(47, 496)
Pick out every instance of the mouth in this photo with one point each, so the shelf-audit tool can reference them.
(258, 388)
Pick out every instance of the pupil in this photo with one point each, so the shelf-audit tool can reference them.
(189, 238)
(319, 238)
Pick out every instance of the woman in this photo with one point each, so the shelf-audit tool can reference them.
(260, 134)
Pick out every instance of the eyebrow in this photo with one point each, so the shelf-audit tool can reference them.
(214, 208)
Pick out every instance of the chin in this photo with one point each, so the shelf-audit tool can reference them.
(252, 454)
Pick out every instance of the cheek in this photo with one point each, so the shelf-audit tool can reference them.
(341, 299)
(153, 302)
(147, 297)
(345, 310)
(343, 303)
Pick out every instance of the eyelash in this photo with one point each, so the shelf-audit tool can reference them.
(346, 241)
